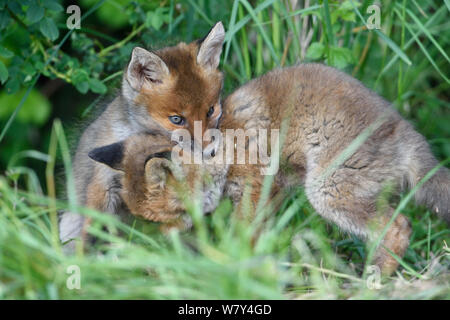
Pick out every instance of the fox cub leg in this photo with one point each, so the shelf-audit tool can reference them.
(395, 240)
(349, 199)
(102, 196)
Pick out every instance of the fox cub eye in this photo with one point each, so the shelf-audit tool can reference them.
(210, 111)
(178, 120)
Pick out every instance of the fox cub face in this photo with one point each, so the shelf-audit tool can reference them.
(171, 88)
(153, 186)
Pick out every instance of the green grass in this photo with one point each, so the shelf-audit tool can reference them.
(298, 254)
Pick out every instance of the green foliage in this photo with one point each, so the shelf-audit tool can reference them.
(156, 19)
(31, 43)
(49, 72)
(33, 27)
(35, 110)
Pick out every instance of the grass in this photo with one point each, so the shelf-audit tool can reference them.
(298, 255)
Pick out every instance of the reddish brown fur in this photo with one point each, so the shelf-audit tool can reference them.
(190, 90)
(150, 189)
(96, 198)
(182, 80)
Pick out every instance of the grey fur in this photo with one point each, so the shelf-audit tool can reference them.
(116, 123)
(328, 110)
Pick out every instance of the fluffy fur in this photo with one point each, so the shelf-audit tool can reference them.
(327, 110)
(154, 187)
(182, 80)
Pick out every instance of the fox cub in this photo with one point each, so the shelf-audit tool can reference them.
(161, 91)
(154, 187)
(326, 111)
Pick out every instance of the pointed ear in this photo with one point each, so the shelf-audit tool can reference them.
(156, 170)
(211, 47)
(145, 66)
(111, 155)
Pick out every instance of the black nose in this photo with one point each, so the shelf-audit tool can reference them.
(213, 153)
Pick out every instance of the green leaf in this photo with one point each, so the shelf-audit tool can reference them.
(5, 53)
(80, 75)
(3, 73)
(49, 29)
(154, 19)
(342, 57)
(12, 85)
(28, 68)
(35, 12)
(315, 51)
(345, 12)
(4, 19)
(80, 80)
(97, 86)
(52, 5)
(83, 87)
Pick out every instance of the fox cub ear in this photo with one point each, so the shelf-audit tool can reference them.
(156, 170)
(111, 155)
(211, 47)
(145, 66)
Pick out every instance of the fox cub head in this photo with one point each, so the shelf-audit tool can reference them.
(153, 186)
(170, 88)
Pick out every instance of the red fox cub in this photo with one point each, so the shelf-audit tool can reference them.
(155, 188)
(162, 91)
(326, 111)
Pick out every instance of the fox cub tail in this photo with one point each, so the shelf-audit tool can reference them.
(435, 192)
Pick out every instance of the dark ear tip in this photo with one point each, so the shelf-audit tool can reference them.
(110, 155)
(94, 154)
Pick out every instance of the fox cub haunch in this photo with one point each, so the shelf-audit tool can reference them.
(162, 90)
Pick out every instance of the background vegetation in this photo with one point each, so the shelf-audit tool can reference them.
(54, 78)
